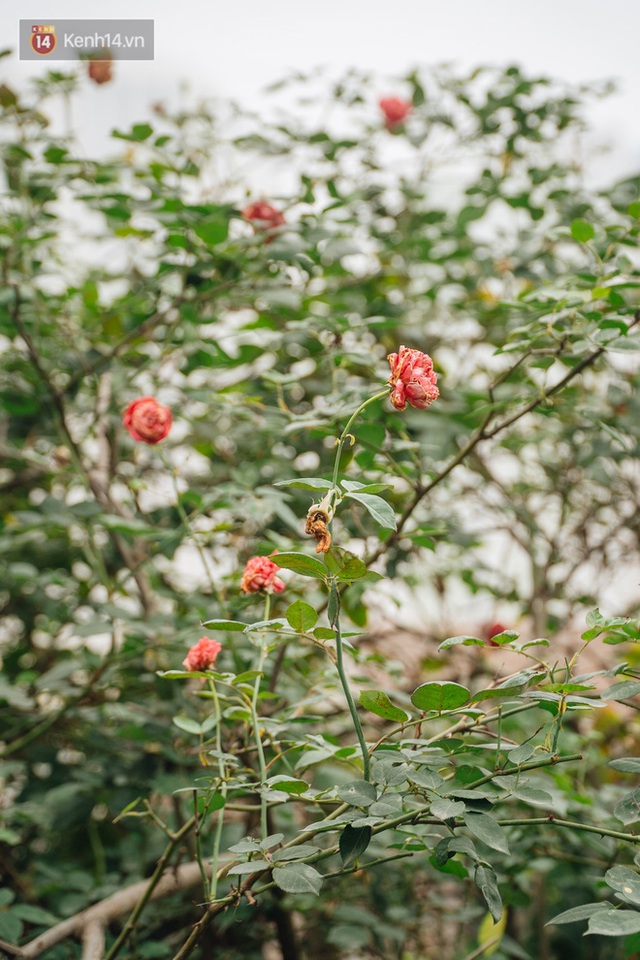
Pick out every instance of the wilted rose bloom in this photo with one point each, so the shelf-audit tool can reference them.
(269, 217)
(413, 379)
(147, 420)
(202, 655)
(395, 111)
(260, 574)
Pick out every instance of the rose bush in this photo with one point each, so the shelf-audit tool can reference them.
(359, 772)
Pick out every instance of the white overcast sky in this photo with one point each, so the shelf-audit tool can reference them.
(232, 49)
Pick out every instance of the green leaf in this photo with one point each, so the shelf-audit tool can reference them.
(353, 843)
(487, 883)
(628, 809)
(626, 764)
(232, 626)
(376, 701)
(582, 231)
(139, 132)
(254, 866)
(446, 809)
(212, 231)
(615, 923)
(584, 912)
(188, 724)
(440, 695)
(33, 914)
(299, 852)
(625, 882)
(486, 829)
(303, 564)
(298, 878)
(621, 691)
(301, 616)
(379, 509)
(288, 784)
(464, 640)
(497, 693)
(634, 210)
(344, 565)
(10, 926)
(306, 483)
(359, 793)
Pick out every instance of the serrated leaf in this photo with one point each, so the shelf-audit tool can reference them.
(359, 793)
(301, 616)
(377, 701)
(298, 878)
(303, 564)
(487, 883)
(243, 869)
(298, 852)
(388, 805)
(445, 809)
(440, 695)
(379, 509)
(486, 829)
(353, 843)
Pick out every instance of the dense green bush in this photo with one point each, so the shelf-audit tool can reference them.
(462, 805)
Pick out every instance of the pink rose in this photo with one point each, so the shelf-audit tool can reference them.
(413, 379)
(267, 217)
(260, 574)
(147, 420)
(395, 111)
(202, 655)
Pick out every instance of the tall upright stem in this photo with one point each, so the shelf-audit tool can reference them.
(334, 619)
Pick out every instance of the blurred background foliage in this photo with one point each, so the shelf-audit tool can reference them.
(469, 233)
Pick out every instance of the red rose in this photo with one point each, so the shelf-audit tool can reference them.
(147, 420)
(202, 655)
(413, 378)
(491, 630)
(395, 111)
(260, 574)
(269, 217)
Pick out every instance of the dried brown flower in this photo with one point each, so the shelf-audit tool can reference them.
(316, 526)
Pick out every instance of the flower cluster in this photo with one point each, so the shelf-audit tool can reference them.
(202, 655)
(260, 575)
(395, 111)
(413, 379)
(147, 420)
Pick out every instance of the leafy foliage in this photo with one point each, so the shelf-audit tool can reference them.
(467, 232)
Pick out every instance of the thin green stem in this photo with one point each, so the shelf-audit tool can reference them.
(264, 828)
(345, 433)
(217, 837)
(335, 623)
